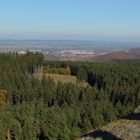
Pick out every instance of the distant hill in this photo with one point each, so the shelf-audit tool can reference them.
(124, 55)
(128, 54)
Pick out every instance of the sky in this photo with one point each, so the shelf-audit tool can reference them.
(70, 19)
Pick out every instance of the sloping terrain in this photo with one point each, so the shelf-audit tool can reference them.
(122, 129)
(63, 78)
(104, 56)
(124, 55)
(67, 79)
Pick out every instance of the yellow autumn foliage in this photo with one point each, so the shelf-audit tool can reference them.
(3, 99)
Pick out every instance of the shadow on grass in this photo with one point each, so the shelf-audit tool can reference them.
(133, 116)
(102, 134)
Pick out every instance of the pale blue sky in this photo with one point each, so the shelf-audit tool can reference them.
(70, 19)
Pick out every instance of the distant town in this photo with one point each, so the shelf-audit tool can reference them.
(74, 50)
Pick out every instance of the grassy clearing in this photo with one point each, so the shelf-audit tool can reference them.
(63, 78)
(67, 79)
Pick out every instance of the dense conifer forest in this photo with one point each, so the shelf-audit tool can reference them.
(34, 108)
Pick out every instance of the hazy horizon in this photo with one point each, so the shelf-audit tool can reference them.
(44, 45)
(70, 20)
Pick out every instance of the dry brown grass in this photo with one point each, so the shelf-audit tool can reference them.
(67, 79)
(63, 78)
(124, 128)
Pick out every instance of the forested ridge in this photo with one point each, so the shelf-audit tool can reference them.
(38, 109)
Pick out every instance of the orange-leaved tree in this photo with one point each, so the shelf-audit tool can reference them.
(3, 98)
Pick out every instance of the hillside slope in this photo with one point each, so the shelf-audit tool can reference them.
(123, 55)
(67, 79)
(122, 129)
